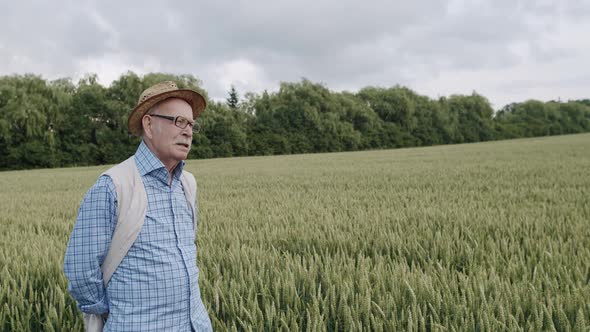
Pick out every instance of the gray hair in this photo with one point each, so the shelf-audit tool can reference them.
(150, 111)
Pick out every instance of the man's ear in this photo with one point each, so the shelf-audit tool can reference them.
(146, 123)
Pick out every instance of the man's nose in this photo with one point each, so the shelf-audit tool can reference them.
(187, 131)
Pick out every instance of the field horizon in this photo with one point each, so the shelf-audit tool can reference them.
(106, 166)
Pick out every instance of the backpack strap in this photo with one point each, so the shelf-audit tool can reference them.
(189, 185)
(131, 210)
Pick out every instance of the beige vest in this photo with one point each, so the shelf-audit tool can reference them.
(131, 210)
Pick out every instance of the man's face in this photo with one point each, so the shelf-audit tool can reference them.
(170, 143)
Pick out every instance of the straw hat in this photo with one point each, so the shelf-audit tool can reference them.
(155, 94)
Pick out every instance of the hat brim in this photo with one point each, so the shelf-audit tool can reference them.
(193, 98)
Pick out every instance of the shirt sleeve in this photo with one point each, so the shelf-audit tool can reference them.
(88, 246)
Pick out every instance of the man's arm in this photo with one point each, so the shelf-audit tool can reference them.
(88, 246)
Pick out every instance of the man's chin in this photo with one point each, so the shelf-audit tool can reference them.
(181, 154)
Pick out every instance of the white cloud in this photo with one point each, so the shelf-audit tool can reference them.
(110, 66)
(505, 50)
(242, 74)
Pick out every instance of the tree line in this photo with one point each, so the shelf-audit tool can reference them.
(59, 123)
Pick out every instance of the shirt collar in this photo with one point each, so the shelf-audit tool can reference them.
(147, 162)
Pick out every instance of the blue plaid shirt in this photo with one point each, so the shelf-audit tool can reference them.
(155, 288)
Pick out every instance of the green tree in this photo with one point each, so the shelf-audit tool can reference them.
(28, 111)
(233, 99)
(474, 115)
(59, 123)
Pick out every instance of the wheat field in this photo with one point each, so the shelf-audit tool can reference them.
(490, 236)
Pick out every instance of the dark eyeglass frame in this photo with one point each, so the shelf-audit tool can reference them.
(196, 127)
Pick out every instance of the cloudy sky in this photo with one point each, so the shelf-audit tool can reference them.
(506, 50)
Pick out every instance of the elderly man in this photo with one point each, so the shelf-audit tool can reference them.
(131, 258)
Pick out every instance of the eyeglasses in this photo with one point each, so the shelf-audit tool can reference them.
(180, 122)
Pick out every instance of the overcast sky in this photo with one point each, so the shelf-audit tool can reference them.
(506, 50)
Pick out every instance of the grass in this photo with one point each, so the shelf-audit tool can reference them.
(486, 236)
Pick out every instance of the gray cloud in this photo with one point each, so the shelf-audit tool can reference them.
(435, 47)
